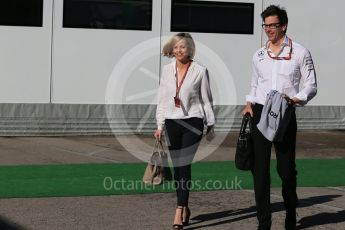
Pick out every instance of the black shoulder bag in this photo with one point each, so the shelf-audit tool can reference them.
(244, 157)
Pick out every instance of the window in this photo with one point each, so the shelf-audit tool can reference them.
(21, 12)
(212, 17)
(108, 14)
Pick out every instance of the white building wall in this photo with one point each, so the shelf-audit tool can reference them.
(60, 80)
(25, 61)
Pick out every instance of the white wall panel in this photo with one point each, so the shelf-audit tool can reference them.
(25, 61)
(84, 60)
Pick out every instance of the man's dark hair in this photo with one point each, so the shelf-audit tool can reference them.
(273, 10)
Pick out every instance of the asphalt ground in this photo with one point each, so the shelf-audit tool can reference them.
(320, 208)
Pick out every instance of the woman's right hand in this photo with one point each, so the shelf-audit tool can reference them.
(158, 134)
(210, 135)
(248, 109)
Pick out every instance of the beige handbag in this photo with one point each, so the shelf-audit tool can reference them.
(157, 169)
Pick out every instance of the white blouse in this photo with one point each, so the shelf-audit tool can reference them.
(195, 95)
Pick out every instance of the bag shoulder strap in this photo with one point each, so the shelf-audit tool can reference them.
(246, 120)
(158, 147)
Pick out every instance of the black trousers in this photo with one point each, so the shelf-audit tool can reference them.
(286, 167)
(183, 137)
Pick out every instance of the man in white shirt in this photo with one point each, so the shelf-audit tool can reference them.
(280, 65)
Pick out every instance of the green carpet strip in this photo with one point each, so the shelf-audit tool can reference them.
(111, 179)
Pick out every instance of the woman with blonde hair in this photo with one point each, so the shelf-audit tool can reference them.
(184, 106)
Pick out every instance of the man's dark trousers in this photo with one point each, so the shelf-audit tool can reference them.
(286, 167)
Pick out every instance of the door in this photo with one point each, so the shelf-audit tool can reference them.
(107, 53)
(25, 51)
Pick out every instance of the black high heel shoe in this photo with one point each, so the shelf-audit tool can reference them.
(186, 216)
(178, 226)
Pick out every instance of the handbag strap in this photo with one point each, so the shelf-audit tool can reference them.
(158, 147)
(246, 120)
(249, 122)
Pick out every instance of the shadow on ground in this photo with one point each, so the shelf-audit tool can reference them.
(7, 225)
(242, 214)
(322, 218)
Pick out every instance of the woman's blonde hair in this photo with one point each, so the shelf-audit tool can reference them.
(169, 46)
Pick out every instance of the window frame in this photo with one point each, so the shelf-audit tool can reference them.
(147, 27)
(249, 31)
